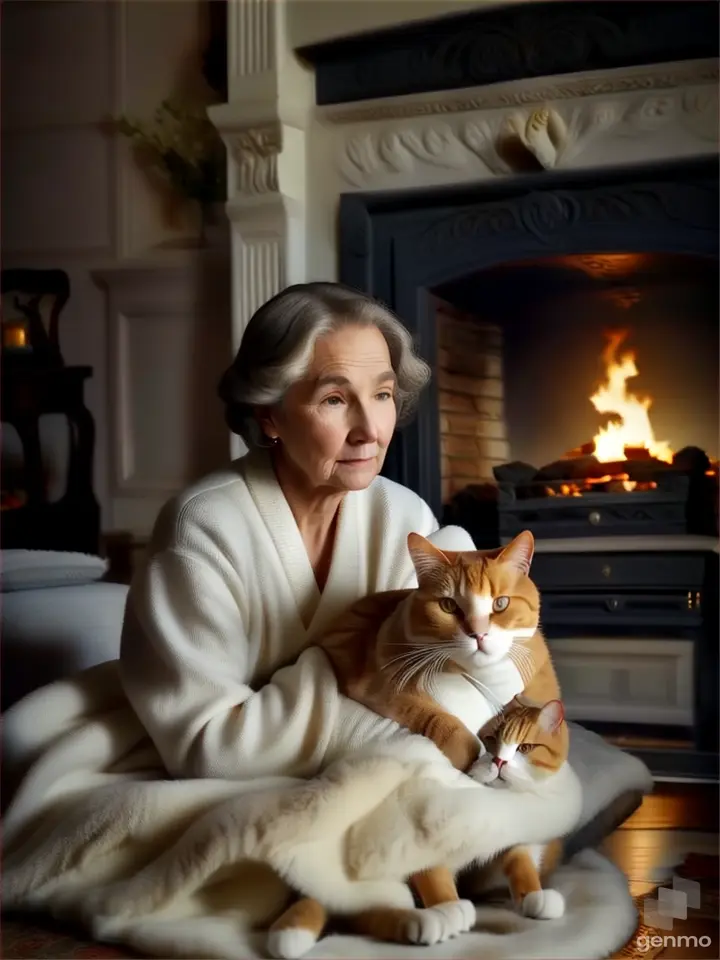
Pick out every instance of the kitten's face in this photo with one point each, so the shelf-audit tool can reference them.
(476, 605)
(528, 745)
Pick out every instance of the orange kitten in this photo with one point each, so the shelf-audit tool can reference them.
(528, 745)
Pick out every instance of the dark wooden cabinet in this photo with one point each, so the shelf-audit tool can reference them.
(72, 522)
(654, 612)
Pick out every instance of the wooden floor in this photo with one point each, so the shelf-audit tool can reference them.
(675, 831)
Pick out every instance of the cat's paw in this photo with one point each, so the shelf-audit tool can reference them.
(290, 943)
(440, 923)
(484, 770)
(543, 905)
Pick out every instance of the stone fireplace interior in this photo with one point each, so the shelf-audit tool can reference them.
(523, 347)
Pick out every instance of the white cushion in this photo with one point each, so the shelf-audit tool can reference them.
(53, 633)
(36, 569)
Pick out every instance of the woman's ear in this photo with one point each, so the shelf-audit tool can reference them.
(266, 422)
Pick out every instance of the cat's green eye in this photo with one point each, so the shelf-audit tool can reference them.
(500, 604)
(448, 605)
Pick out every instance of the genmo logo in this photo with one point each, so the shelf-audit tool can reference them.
(644, 943)
(671, 904)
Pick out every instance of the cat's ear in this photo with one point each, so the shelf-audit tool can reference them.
(551, 716)
(519, 552)
(427, 559)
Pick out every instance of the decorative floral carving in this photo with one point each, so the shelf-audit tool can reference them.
(542, 133)
(546, 213)
(700, 112)
(545, 138)
(543, 214)
(398, 151)
(255, 151)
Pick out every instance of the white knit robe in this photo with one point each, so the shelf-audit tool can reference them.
(228, 595)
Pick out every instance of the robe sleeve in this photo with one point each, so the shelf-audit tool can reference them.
(185, 664)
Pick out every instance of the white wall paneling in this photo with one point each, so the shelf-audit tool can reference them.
(168, 345)
(75, 199)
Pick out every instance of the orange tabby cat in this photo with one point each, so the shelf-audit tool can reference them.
(529, 744)
(467, 635)
(419, 657)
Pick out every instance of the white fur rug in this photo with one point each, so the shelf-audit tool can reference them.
(600, 919)
(192, 868)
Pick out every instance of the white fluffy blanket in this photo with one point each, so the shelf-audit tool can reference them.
(194, 868)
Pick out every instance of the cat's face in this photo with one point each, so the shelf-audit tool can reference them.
(529, 744)
(476, 604)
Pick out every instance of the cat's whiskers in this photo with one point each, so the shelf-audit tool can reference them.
(406, 669)
(403, 656)
(491, 697)
(433, 671)
(411, 662)
(520, 651)
(416, 649)
(523, 660)
(413, 670)
(525, 664)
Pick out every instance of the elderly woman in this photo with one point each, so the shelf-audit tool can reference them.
(247, 567)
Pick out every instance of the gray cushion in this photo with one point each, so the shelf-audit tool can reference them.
(54, 633)
(36, 569)
(613, 782)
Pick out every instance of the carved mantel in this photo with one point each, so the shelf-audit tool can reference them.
(627, 116)
(494, 94)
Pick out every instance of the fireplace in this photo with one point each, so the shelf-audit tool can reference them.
(515, 293)
(618, 348)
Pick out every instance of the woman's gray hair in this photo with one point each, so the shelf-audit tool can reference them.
(278, 343)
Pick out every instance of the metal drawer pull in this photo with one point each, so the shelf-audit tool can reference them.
(606, 570)
(612, 603)
(693, 600)
(594, 517)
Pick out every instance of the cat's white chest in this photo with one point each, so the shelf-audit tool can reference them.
(476, 703)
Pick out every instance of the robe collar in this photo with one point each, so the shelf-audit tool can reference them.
(344, 582)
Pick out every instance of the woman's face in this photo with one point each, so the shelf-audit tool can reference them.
(334, 426)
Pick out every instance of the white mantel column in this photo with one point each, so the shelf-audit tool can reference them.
(264, 126)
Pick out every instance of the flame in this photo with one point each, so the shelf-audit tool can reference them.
(634, 428)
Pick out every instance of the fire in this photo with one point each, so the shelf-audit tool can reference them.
(634, 429)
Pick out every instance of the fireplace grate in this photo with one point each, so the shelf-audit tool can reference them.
(677, 503)
(660, 511)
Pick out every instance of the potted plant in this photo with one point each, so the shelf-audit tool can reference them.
(182, 145)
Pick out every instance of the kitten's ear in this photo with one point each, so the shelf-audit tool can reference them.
(519, 552)
(427, 559)
(551, 716)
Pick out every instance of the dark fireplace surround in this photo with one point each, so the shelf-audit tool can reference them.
(399, 247)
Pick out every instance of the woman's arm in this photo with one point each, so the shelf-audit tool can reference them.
(185, 662)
